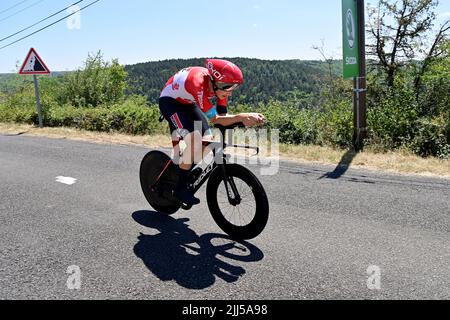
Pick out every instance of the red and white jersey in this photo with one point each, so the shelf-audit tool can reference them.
(192, 86)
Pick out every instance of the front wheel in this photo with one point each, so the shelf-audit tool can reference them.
(245, 219)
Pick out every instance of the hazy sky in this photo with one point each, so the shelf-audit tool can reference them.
(144, 30)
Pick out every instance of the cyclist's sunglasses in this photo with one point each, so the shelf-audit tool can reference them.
(226, 86)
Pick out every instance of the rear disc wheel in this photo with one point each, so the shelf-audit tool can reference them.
(151, 168)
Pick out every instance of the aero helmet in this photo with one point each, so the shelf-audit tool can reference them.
(225, 74)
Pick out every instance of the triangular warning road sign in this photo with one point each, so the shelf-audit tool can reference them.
(33, 64)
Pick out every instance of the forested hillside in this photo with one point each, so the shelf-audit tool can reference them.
(264, 79)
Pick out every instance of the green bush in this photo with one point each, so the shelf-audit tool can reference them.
(19, 107)
(133, 116)
(306, 126)
(3, 98)
(431, 138)
(18, 115)
(336, 125)
(392, 120)
(332, 125)
(99, 83)
(282, 117)
(434, 92)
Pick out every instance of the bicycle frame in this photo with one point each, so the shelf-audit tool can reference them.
(218, 152)
(218, 149)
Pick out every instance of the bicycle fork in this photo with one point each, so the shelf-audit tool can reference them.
(233, 194)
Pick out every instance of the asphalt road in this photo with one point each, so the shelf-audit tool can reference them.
(332, 234)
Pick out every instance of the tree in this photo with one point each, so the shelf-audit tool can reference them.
(398, 29)
(98, 83)
(329, 60)
(433, 93)
(438, 49)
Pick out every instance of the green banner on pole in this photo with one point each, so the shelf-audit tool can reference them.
(350, 38)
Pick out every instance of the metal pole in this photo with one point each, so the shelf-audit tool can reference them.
(360, 83)
(362, 76)
(38, 101)
(355, 114)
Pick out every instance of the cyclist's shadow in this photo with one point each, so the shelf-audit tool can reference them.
(178, 254)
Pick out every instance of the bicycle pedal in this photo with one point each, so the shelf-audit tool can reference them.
(181, 204)
(186, 207)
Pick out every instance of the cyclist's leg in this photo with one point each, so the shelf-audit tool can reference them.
(195, 129)
(202, 133)
(186, 122)
(180, 121)
(177, 116)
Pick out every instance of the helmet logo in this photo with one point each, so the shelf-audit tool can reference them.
(216, 74)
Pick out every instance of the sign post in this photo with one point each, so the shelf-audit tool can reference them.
(354, 47)
(38, 101)
(34, 65)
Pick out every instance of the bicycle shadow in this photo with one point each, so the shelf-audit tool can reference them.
(178, 254)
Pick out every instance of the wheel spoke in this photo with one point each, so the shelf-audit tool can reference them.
(247, 205)
(242, 214)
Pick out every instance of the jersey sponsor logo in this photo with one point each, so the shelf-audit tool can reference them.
(176, 86)
(216, 74)
(200, 99)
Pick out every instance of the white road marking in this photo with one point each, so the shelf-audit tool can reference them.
(66, 180)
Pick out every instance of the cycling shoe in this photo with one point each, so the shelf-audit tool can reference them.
(185, 196)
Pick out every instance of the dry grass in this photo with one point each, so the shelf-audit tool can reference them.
(83, 135)
(403, 161)
(398, 162)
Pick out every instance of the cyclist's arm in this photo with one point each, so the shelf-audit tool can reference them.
(226, 120)
(248, 119)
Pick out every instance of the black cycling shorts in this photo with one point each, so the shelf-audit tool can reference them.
(183, 118)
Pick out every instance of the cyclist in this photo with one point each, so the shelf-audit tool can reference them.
(186, 99)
